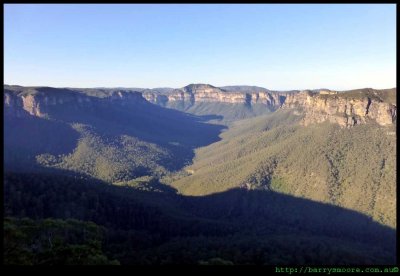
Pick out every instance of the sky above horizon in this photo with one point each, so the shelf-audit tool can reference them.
(279, 47)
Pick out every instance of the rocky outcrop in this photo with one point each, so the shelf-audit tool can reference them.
(22, 105)
(20, 102)
(155, 98)
(197, 93)
(344, 109)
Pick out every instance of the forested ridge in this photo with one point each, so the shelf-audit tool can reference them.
(161, 227)
(353, 168)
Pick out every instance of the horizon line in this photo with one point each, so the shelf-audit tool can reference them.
(168, 87)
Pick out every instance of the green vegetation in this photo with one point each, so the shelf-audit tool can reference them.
(353, 168)
(278, 184)
(383, 95)
(122, 159)
(115, 142)
(53, 242)
(229, 112)
(270, 191)
(153, 227)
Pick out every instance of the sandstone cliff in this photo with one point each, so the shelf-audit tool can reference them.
(345, 108)
(197, 93)
(22, 101)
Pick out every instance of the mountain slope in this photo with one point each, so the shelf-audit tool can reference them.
(268, 190)
(115, 137)
(353, 168)
(120, 137)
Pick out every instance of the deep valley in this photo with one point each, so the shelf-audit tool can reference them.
(199, 175)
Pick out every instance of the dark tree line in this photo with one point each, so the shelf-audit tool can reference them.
(144, 227)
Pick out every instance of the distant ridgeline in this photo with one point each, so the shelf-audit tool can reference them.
(346, 108)
(229, 103)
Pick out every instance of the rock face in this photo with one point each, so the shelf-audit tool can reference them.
(196, 93)
(22, 101)
(346, 109)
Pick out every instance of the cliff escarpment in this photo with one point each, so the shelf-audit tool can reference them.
(204, 93)
(347, 108)
(40, 101)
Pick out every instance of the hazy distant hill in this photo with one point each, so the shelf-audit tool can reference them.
(229, 103)
(245, 88)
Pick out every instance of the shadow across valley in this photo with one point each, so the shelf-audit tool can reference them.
(27, 136)
(141, 119)
(241, 226)
(107, 119)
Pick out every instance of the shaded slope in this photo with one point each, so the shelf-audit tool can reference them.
(25, 138)
(113, 138)
(256, 227)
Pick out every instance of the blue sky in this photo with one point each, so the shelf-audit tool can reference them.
(275, 46)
